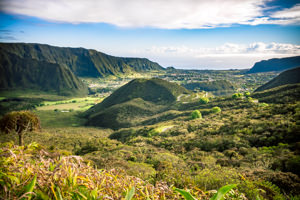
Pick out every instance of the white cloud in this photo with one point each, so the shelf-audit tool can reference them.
(170, 14)
(225, 56)
(229, 49)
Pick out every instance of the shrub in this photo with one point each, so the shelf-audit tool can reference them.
(196, 114)
(246, 94)
(237, 95)
(204, 100)
(216, 109)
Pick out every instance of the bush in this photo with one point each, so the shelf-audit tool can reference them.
(237, 95)
(204, 100)
(246, 94)
(196, 114)
(216, 109)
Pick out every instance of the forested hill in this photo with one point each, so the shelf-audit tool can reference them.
(291, 76)
(276, 64)
(26, 73)
(82, 62)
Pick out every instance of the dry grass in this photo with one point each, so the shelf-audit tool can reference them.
(66, 177)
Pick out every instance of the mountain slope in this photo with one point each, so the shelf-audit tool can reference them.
(82, 62)
(26, 73)
(291, 76)
(276, 64)
(130, 104)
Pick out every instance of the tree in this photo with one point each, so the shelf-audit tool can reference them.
(216, 109)
(196, 114)
(19, 122)
(237, 95)
(204, 100)
(247, 94)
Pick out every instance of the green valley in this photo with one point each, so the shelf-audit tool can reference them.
(148, 134)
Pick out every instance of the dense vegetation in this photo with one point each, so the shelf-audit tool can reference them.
(195, 142)
(134, 102)
(275, 64)
(291, 76)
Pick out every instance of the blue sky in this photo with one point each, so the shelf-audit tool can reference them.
(195, 34)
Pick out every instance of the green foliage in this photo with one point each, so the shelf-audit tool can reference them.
(185, 194)
(222, 192)
(72, 178)
(237, 95)
(218, 196)
(263, 105)
(247, 94)
(134, 101)
(216, 109)
(19, 122)
(129, 194)
(29, 188)
(203, 100)
(293, 165)
(196, 114)
(17, 104)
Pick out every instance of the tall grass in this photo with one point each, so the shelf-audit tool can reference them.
(30, 172)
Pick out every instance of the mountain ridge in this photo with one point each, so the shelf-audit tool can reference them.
(275, 64)
(18, 73)
(82, 62)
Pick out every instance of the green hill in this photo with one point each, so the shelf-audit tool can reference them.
(281, 94)
(18, 73)
(217, 87)
(276, 64)
(291, 76)
(137, 99)
(82, 62)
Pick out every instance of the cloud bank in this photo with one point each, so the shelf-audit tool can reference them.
(227, 56)
(229, 49)
(167, 14)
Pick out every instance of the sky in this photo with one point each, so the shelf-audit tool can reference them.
(186, 34)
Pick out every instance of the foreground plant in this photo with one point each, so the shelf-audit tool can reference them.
(30, 172)
(218, 196)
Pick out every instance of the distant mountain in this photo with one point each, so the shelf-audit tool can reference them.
(26, 73)
(291, 76)
(276, 64)
(82, 62)
(133, 101)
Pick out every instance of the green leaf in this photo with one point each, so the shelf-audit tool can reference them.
(42, 196)
(185, 194)
(94, 194)
(13, 179)
(130, 194)
(59, 194)
(222, 191)
(30, 187)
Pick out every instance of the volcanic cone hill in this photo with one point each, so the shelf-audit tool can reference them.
(134, 102)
